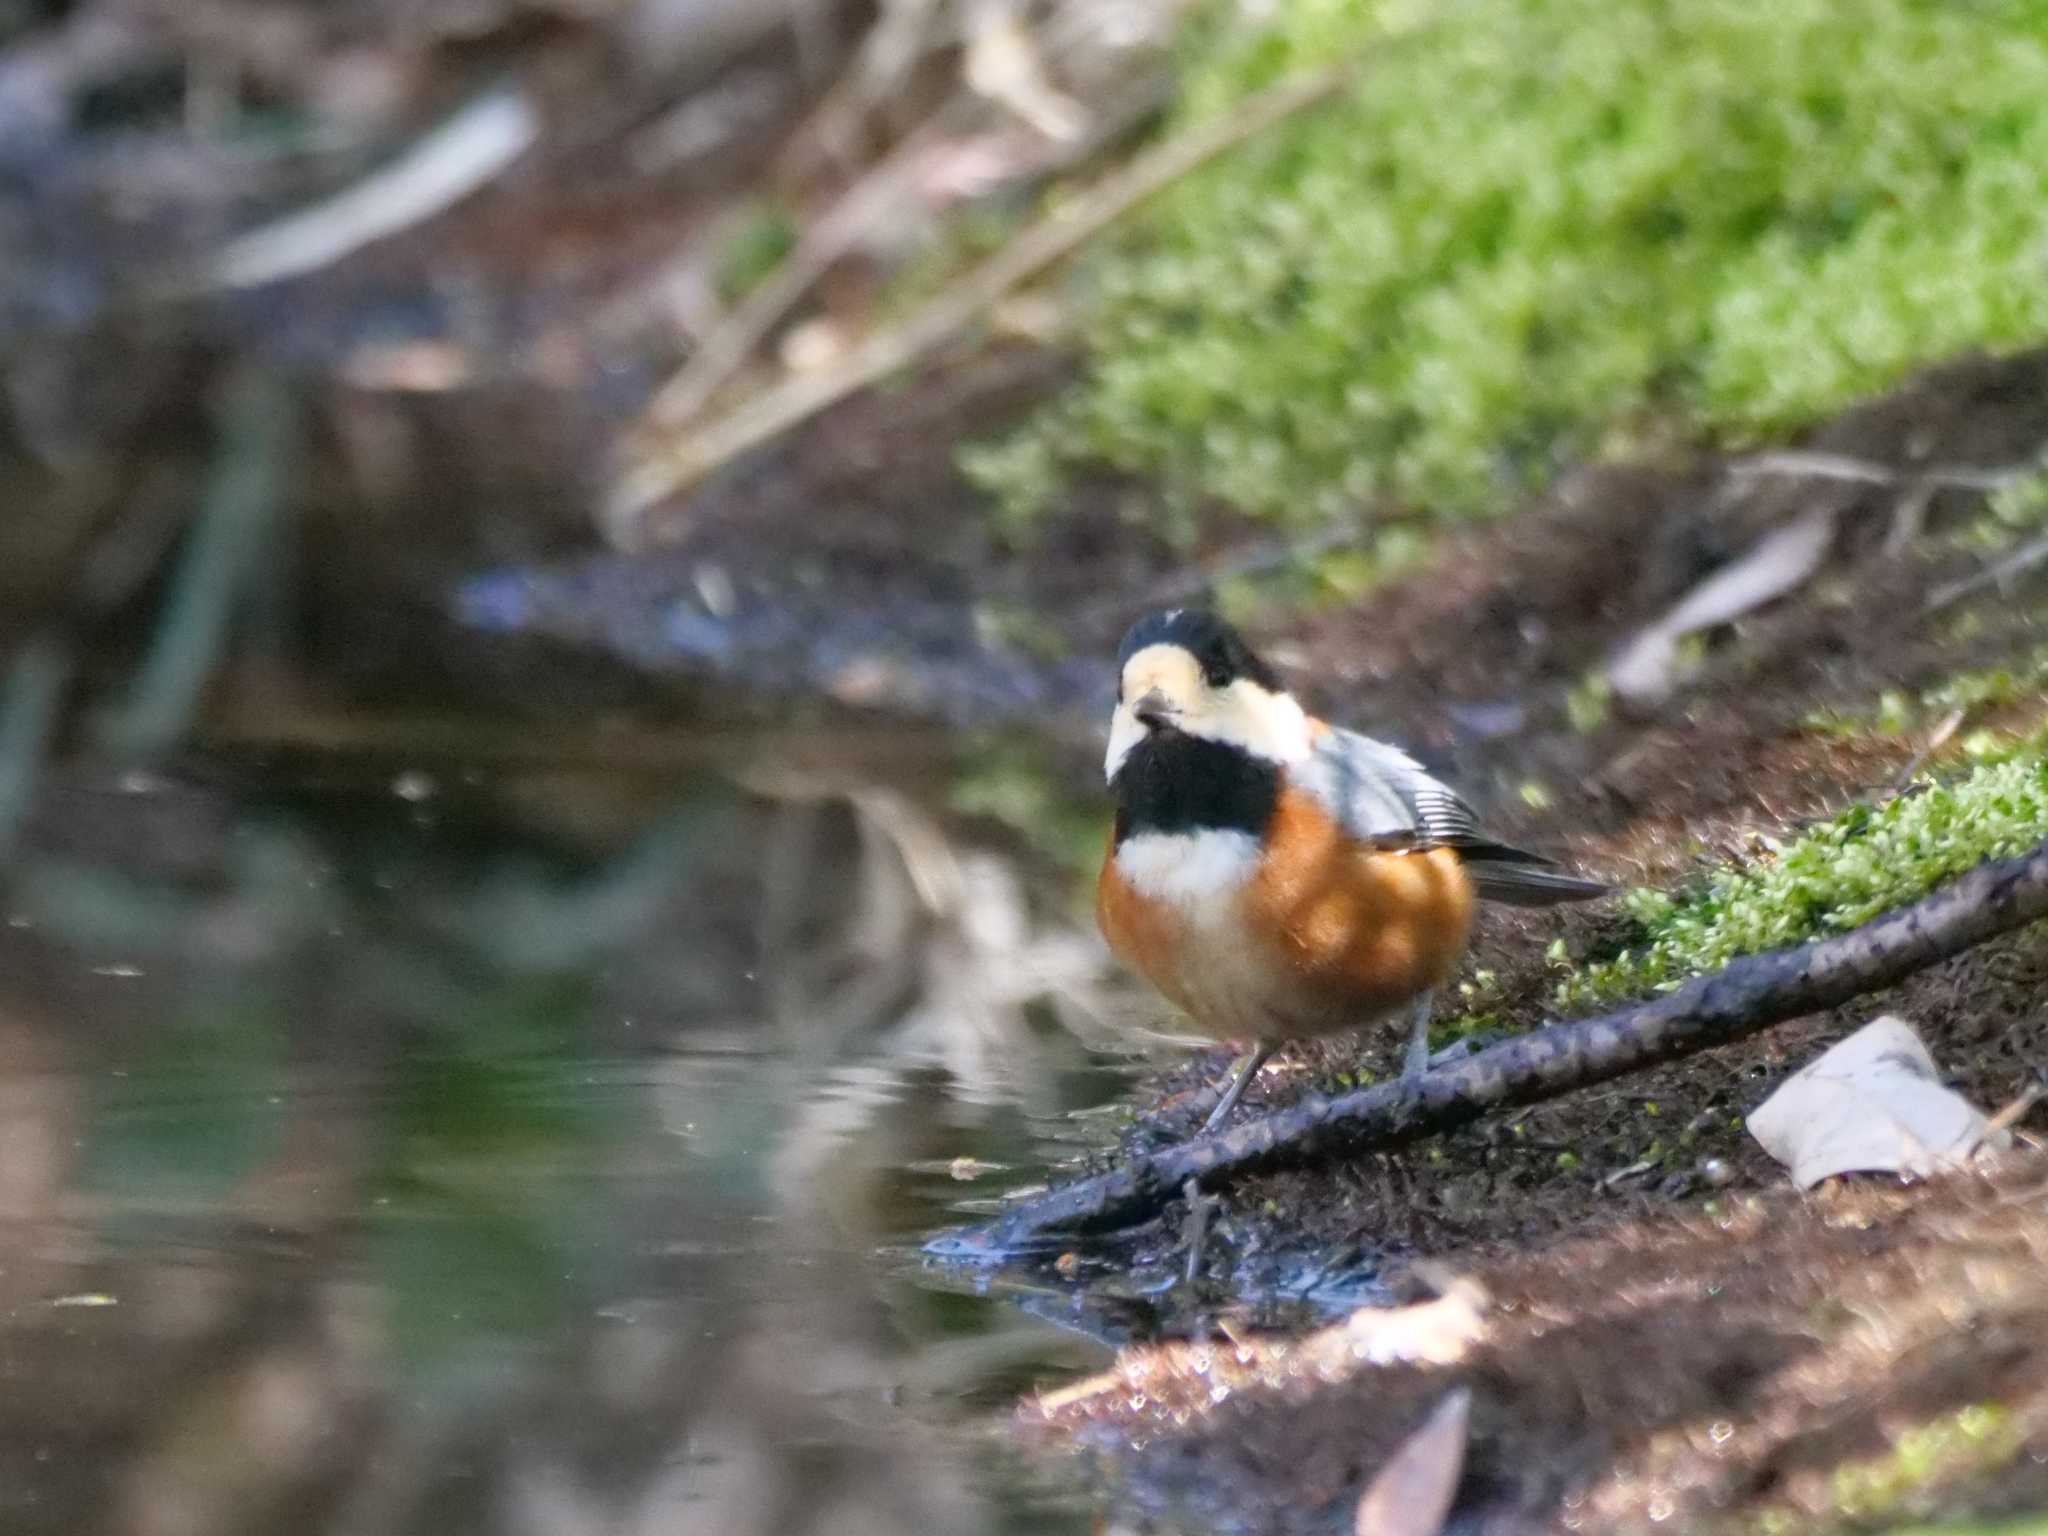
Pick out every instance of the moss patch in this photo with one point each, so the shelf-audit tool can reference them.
(1536, 222)
(1979, 1436)
(1833, 876)
(2020, 681)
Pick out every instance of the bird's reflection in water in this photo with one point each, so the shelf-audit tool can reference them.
(368, 1164)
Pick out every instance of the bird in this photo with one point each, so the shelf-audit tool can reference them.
(1277, 877)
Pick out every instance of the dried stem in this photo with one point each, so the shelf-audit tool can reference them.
(674, 465)
(1814, 464)
(858, 210)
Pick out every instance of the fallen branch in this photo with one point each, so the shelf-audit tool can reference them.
(1746, 996)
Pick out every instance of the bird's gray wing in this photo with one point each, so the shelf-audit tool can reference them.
(1382, 796)
(1386, 799)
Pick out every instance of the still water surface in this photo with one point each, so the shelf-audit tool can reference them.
(388, 1151)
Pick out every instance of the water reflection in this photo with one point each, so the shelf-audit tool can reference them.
(368, 1164)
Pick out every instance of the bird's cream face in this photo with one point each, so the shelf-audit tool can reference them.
(1163, 688)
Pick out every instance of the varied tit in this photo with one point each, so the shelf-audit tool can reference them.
(1277, 877)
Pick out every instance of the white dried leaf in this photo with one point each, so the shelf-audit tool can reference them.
(1412, 1494)
(443, 167)
(1874, 1103)
(1646, 669)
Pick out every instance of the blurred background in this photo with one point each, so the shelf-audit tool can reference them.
(557, 565)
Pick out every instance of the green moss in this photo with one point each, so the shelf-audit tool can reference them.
(1897, 712)
(1973, 1439)
(758, 244)
(1536, 227)
(1970, 1442)
(1832, 876)
(1991, 687)
(1587, 704)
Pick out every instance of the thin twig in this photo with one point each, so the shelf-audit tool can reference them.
(670, 467)
(836, 231)
(1743, 998)
(1909, 517)
(859, 209)
(1923, 480)
(2025, 558)
(2012, 1114)
(1815, 464)
(1939, 738)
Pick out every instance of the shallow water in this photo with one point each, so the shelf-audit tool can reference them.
(389, 1150)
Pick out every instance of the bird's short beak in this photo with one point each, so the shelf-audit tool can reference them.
(1153, 709)
(1150, 711)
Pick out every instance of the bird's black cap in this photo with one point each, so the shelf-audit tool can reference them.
(1221, 650)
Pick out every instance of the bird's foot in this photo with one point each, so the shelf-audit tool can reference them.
(1239, 1081)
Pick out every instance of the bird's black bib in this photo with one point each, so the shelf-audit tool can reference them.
(1173, 782)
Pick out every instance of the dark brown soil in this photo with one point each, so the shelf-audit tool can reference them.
(1866, 1354)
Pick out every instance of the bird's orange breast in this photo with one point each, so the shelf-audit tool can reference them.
(1371, 926)
(1325, 935)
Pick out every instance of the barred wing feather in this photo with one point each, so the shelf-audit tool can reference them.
(1383, 797)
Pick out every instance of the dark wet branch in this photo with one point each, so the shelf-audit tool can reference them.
(1745, 997)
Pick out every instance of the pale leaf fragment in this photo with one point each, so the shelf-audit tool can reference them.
(1412, 1493)
(1003, 65)
(1647, 668)
(1873, 1103)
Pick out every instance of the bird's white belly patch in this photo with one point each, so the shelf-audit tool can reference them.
(1233, 986)
(1188, 869)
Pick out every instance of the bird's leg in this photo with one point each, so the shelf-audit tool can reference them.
(1417, 1062)
(1246, 1071)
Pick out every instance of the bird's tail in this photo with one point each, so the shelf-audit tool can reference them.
(1523, 879)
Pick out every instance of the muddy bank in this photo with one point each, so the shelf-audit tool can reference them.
(1757, 1361)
